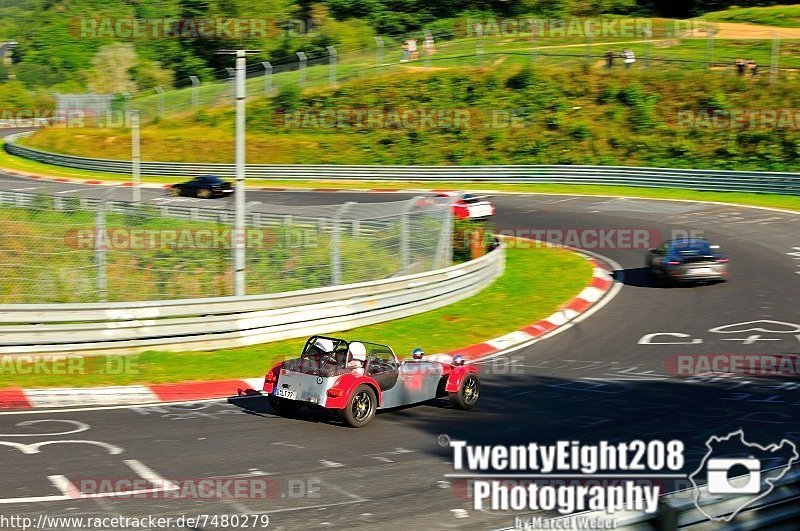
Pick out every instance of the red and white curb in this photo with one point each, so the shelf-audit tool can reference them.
(130, 395)
(601, 284)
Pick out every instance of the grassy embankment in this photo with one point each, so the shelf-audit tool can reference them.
(536, 282)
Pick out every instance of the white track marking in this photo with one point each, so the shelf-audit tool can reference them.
(35, 448)
(104, 408)
(89, 396)
(79, 427)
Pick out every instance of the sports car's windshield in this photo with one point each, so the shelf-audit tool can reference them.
(322, 356)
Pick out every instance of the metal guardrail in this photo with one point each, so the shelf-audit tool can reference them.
(780, 509)
(199, 324)
(708, 180)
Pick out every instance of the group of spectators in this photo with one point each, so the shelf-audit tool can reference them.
(411, 50)
(627, 56)
(743, 66)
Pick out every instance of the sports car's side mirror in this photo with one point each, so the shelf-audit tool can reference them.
(417, 353)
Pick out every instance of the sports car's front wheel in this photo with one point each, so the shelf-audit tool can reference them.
(284, 407)
(468, 392)
(361, 407)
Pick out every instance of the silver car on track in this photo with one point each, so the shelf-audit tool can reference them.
(688, 260)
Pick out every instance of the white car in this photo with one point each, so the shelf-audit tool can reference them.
(469, 206)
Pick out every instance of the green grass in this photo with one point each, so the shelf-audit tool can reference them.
(781, 16)
(537, 281)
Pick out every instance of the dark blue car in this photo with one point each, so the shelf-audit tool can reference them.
(205, 186)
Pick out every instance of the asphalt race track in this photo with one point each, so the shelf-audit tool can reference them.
(594, 381)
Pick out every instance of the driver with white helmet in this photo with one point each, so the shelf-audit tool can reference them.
(357, 358)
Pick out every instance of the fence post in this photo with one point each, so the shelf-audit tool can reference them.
(136, 158)
(332, 66)
(100, 250)
(378, 53)
(160, 92)
(776, 50)
(336, 251)
(405, 234)
(428, 53)
(479, 46)
(128, 99)
(267, 78)
(588, 52)
(444, 250)
(648, 37)
(301, 70)
(710, 48)
(534, 35)
(195, 91)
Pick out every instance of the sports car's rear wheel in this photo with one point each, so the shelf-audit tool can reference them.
(468, 392)
(361, 407)
(284, 407)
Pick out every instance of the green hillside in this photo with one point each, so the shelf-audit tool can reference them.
(542, 115)
(783, 16)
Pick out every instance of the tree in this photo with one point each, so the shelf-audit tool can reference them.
(111, 69)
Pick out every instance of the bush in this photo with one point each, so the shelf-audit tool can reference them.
(521, 80)
(287, 99)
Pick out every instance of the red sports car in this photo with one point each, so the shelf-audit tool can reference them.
(356, 379)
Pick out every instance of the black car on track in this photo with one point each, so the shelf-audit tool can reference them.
(204, 186)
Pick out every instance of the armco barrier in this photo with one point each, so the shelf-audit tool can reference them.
(710, 180)
(199, 324)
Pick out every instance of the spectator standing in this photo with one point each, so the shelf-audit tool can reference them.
(610, 55)
(741, 66)
(413, 52)
(406, 52)
(628, 57)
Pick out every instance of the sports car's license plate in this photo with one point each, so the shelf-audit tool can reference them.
(702, 271)
(285, 393)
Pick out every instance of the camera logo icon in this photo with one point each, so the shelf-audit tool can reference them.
(719, 483)
(741, 478)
